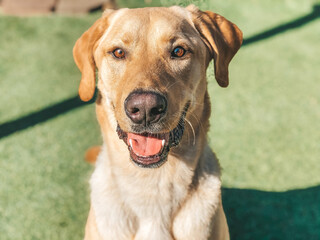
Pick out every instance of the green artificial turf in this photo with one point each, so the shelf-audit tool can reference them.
(264, 126)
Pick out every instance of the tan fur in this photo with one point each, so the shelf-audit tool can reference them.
(92, 154)
(181, 199)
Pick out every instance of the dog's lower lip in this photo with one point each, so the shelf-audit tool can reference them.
(149, 161)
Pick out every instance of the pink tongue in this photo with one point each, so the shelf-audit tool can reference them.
(143, 145)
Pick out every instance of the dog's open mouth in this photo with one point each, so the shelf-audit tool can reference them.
(150, 150)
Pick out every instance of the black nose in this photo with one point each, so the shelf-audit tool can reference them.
(145, 107)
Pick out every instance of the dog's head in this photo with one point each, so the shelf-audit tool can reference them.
(152, 71)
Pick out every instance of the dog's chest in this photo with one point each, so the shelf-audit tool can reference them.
(154, 195)
(153, 205)
(137, 204)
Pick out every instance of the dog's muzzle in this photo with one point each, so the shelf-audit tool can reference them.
(149, 150)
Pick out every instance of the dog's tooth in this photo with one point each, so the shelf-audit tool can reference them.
(130, 142)
(163, 142)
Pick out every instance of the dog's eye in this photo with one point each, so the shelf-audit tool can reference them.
(178, 52)
(119, 53)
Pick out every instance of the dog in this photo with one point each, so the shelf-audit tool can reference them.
(155, 176)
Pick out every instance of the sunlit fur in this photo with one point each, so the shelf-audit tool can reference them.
(180, 200)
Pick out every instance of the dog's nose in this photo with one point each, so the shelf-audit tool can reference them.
(145, 107)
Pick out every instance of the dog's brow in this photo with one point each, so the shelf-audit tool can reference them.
(127, 38)
(180, 36)
(114, 20)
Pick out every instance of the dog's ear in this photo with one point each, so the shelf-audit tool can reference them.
(83, 56)
(222, 37)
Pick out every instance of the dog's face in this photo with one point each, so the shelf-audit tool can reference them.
(152, 71)
(146, 57)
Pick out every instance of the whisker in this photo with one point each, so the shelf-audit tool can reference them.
(199, 123)
(193, 132)
(170, 86)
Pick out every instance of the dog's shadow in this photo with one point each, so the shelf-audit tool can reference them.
(259, 215)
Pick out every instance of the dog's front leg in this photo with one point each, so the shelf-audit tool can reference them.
(193, 221)
(151, 229)
(201, 216)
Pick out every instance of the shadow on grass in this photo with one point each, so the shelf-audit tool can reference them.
(297, 23)
(290, 215)
(45, 114)
(32, 119)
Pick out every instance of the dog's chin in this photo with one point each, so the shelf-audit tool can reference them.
(151, 150)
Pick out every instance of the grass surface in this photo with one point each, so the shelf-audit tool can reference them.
(265, 126)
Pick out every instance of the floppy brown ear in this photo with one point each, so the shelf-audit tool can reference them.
(222, 37)
(83, 56)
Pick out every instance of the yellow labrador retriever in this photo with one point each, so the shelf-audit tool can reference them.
(155, 176)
